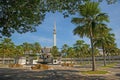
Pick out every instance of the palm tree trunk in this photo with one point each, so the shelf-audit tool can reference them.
(3, 61)
(92, 47)
(71, 60)
(104, 57)
(93, 56)
(108, 57)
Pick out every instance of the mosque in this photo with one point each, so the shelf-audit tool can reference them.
(46, 51)
(45, 55)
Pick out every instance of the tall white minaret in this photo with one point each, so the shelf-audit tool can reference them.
(54, 35)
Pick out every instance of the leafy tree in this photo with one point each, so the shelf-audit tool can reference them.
(111, 49)
(55, 52)
(24, 15)
(26, 47)
(18, 52)
(104, 40)
(21, 16)
(78, 48)
(71, 53)
(64, 49)
(81, 49)
(7, 48)
(36, 48)
(90, 18)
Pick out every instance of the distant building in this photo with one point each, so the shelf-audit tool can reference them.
(46, 56)
(100, 51)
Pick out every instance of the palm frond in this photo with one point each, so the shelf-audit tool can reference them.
(78, 20)
(102, 17)
(89, 7)
(81, 31)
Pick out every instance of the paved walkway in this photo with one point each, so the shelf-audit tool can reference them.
(60, 73)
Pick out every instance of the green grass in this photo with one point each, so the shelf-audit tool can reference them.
(109, 65)
(95, 72)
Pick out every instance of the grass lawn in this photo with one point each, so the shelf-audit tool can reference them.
(94, 72)
(109, 65)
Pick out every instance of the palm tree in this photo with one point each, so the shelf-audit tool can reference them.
(86, 49)
(27, 47)
(36, 48)
(64, 50)
(78, 48)
(55, 52)
(104, 41)
(18, 52)
(71, 53)
(81, 48)
(7, 47)
(111, 48)
(90, 18)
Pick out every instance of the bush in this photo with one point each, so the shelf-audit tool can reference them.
(40, 67)
(44, 67)
(15, 65)
(67, 64)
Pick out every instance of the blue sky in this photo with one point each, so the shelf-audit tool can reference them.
(44, 34)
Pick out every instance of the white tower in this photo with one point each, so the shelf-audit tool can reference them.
(54, 35)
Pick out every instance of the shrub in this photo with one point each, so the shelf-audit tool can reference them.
(67, 64)
(40, 66)
(15, 65)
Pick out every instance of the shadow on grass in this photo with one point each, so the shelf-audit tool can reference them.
(20, 74)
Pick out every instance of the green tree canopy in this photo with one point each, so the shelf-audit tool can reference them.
(7, 47)
(24, 15)
(20, 15)
(54, 51)
(91, 18)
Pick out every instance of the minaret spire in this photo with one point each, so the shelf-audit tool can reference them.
(54, 34)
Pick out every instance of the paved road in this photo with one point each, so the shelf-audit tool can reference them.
(57, 74)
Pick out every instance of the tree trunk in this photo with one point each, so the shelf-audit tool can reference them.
(71, 60)
(104, 57)
(3, 60)
(92, 47)
(109, 57)
(93, 56)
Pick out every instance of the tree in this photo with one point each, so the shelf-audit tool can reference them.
(18, 52)
(26, 47)
(81, 49)
(111, 51)
(55, 52)
(78, 46)
(7, 48)
(104, 40)
(64, 49)
(36, 48)
(71, 53)
(23, 16)
(91, 17)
